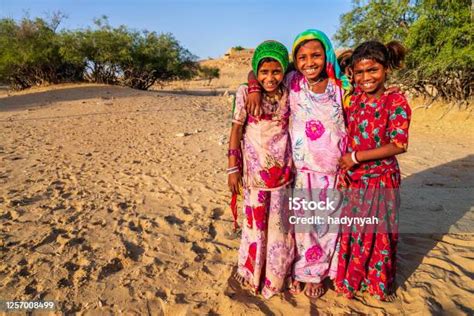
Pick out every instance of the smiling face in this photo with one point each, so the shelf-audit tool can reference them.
(310, 60)
(370, 76)
(270, 75)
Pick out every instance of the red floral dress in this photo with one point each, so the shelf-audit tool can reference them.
(367, 255)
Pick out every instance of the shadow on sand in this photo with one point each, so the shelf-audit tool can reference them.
(435, 202)
(74, 93)
(58, 94)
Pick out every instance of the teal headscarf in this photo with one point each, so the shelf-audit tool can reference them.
(332, 67)
(272, 49)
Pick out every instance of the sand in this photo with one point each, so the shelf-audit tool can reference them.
(114, 200)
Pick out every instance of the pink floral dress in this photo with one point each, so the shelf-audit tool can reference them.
(318, 140)
(267, 246)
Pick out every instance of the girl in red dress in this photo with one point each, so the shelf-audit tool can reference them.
(377, 123)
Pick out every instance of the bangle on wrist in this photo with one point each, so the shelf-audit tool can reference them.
(254, 91)
(252, 88)
(354, 158)
(233, 170)
(252, 81)
(234, 152)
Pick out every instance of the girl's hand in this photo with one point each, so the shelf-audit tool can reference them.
(253, 103)
(234, 181)
(345, 162)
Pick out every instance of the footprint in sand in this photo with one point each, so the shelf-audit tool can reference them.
(64, 282)
(76, 241)
(114, 266)
(133, 251)
(30, 289)
(199, 251)
(180, 299)
(51, 237)
(24, 272)
(173, 220)
(212, 232)
(217, 213)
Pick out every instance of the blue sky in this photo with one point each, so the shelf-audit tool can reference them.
(206, 27)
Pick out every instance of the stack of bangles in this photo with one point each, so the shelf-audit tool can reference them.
(232, 170)
(354, 157)
(254, 86)
(236, 153)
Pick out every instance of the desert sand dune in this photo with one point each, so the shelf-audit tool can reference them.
(115, 200)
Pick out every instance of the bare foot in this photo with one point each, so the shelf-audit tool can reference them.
(295, 287)
(390, 297)
(240, 279)
(244, 283)
(314, 290)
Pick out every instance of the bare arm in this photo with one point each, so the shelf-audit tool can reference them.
(385, 151)
(398, 125)
(234, 180)
(254, 98)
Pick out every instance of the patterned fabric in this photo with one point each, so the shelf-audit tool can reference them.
(272, 49)
(367, 260)
(332, 66)
(266, 146)
(317, 131)
(372, 124)
(316, 257)
(267, 246)
(318, 139)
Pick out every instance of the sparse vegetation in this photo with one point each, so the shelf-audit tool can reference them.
(32, 52)
(209, 73)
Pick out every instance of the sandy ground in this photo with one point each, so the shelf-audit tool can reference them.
(115, 200)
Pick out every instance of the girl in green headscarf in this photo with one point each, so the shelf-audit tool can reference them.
(317, 92)
(262, 144)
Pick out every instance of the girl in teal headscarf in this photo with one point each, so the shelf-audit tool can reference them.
(317, 92)
(262, 144)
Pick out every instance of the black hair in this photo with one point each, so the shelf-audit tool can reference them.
(266, 60)
(345, 59)
(390, 56)
(297, 48)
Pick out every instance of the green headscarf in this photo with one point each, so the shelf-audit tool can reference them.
(272, 49)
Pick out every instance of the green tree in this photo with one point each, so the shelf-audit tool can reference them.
(209, 73)
(156, 58)
(384, 20)
(441, 49)
(30, 54)
(100, 50)
(33, 53)
(437, 33)
(122, 56)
